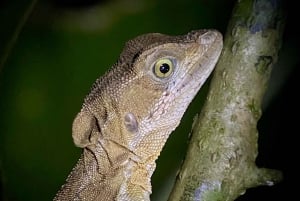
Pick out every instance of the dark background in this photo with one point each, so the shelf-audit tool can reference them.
(66, 45)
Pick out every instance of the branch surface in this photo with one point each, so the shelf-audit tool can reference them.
(220, 162)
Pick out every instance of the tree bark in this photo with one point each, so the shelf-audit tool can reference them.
(220, 161)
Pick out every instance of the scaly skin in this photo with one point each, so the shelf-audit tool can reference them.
(131, 111)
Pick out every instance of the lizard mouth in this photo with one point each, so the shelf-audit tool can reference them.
(202, 66)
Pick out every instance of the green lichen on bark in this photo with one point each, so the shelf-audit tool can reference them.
(220, 162)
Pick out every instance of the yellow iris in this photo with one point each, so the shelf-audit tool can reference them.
(163, 68)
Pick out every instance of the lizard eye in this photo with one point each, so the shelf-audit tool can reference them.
(163, 68)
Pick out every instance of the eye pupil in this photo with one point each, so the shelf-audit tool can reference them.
(164, 68)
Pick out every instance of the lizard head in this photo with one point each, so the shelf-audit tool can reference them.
(141, 100)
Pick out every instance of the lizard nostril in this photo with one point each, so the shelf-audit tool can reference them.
(208, 38)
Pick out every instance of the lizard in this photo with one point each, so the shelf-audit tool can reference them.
(132, 109)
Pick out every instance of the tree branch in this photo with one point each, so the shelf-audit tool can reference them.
(220, 162)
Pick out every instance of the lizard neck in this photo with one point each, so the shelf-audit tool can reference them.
(96, 172)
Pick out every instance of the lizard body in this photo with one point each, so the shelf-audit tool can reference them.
(131, 111)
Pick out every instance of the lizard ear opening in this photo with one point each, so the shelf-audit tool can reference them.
(82, 129)
(131, 123)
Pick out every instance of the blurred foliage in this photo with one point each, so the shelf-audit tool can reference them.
(13, 16)
(64, 47)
